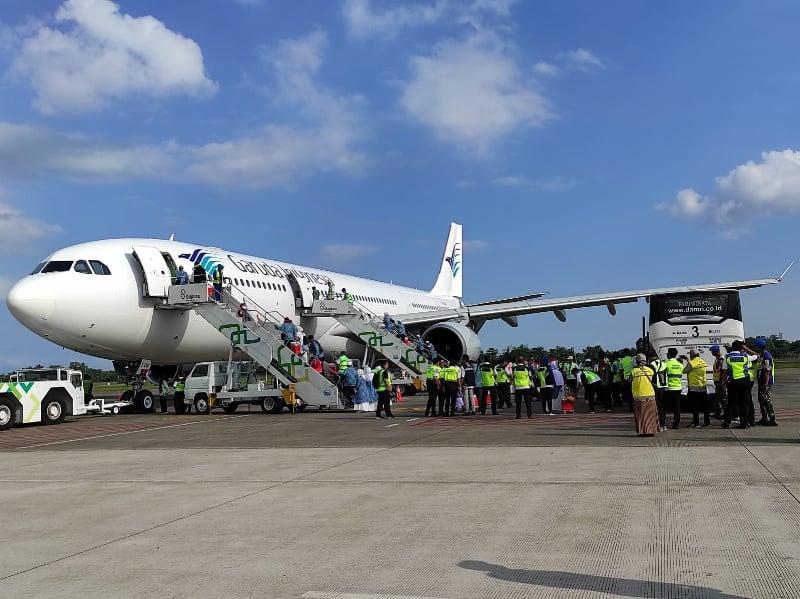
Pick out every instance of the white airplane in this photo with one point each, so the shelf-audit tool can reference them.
(108, 298)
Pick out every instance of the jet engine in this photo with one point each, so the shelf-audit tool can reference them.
(453, 340)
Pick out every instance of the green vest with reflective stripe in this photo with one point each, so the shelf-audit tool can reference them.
(450, 374)
(487, 376)
(627, 366)
(660, 368)
(737, 366)
(386, 380)
(180, 386)
(217, 277)
(674, 374)
(434, 372)
(500, 375)
(522, 377)
(591, 376)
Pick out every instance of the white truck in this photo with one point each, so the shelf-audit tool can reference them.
(42, 395)
(226, 385)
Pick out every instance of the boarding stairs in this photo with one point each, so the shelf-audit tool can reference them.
(252, 330)
(369, 328)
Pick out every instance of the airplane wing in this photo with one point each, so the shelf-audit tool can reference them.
(509, 309)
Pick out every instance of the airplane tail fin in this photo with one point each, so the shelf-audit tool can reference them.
(451, 272)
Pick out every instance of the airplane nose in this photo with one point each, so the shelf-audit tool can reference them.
(31, 301)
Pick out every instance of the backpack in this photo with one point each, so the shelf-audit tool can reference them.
(377, 378)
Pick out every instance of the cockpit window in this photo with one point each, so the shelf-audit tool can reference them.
(38, 267)
(57, 266)
(82, 267)
(99, 268)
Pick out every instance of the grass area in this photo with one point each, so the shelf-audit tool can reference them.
(106, 388)
(783, 364)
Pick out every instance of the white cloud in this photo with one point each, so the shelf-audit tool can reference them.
(545, 68)
(581, 60)
(95, 54)
(364, 22)
(472, 93)
(271, 155)
(476, 245)
(19, 232)
(511, 181)
(555, 184)
(769, 187)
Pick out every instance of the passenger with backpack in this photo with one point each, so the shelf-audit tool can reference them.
(382, 381)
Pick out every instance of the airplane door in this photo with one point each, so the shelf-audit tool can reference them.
(156, 272)
(301, 299)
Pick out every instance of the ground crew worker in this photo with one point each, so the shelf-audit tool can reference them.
(659, 385)
(447, 400)
(616, 381)
(163, 391)
(570, 377)
(488, 387)
(217, 280)
(502, 379)
(545, 385)
(384, 388)
(720, 376)
(180, 395)
(591, 385)
(672, 394)
(522, 388)
(348, 297)
(433, 383)
(626, 362)
(765, 380)
(342, 361)
(739, 363)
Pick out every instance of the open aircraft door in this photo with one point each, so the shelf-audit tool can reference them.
(157, 273)
(302, 297)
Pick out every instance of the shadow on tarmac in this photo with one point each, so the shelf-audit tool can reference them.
(627, 587)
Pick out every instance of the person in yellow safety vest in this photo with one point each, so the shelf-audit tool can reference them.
(348, 297)
(217, 279)
(384, 388)
(645, 413)
(488, 388)
(659, 367)
(433, 382)
(447, 400)
(739, 362)
(180, 395)
(720, 376)
(695, 369)
(626, 362)
(522, 387)
(503, 381)
(672, 394)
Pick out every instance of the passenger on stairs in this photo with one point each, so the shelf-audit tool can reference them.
(181, 277)
(315, 293)
(331, 293)
(288, 330)
(314, 348)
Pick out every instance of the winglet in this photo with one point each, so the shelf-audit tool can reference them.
(451, 271)
(780, 278)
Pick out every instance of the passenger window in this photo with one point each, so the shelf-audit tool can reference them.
(82, 267)
(99, 268)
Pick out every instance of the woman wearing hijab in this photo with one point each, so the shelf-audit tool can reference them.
(645, 413)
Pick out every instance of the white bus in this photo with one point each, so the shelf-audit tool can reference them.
(695, 320)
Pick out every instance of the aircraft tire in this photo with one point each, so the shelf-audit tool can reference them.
(54, 411)
(145, 401)
(6, 414)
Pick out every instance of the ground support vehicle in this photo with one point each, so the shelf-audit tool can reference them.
(45, 395)
(226, 385)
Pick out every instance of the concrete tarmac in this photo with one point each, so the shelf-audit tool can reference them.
(345, 506)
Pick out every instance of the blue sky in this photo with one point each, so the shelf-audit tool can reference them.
(585, 147)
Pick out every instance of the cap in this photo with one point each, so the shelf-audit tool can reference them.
(761, 343)
(694, 352)
(714, 348)
(641, 359)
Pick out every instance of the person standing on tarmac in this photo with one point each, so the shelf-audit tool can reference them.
(447, 400)
(545, 385)
(163, 392)
(739, 362)
(626, 362)
(468, 386)
(502, 379)
(433, 383)
(522, 387)
(720, 374)
(764, 377)
(660, 384)
(179, 396)
(695, 370)
(488, 388)
(672, 394)
(383, 388)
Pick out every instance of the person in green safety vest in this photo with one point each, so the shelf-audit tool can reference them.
(451, 377)
(522, 387)
(740, 361)
(616, 381)
(488, 389)
(218, 279)
(384, 388)
(502, 378)
(627, 364)
(179, 396)
(348, 297)
(672, 394)
(591, 384)
(433, 383)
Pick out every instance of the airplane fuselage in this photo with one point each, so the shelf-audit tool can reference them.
(120, 316)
